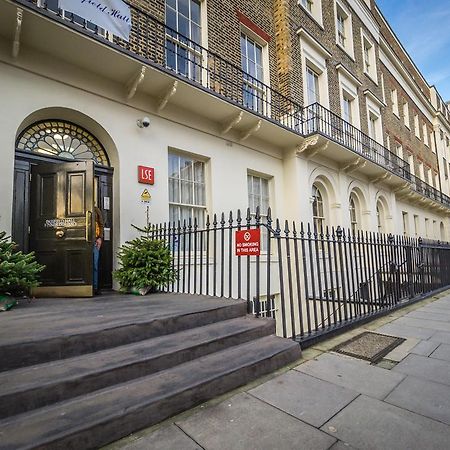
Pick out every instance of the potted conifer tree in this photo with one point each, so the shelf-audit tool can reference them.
(19, 272)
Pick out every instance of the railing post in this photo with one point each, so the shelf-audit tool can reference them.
(257, 269)
(281, 275)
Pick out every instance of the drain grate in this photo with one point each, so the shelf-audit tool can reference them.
(369, 346)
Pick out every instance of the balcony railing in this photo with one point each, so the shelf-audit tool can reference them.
(423, 188)
(318, 119)
(154, 43)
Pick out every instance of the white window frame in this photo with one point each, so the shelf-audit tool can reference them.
(411, 164)
(262, 91)
(416, 225)
(313, 8)
(314, 56)
(195, 59)
(354, 207)
(369, 57)
(399, 149)
(340, 10)
(348, 91)
(405, 222)
(261, 179)
(421, 171)
(394, 102)
(426, 137)
(406, 117)
(374, 112)
(200, 207)
(319, 220)
(254, 202)
(416, 125)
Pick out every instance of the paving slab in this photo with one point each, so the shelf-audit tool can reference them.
(309, 399)
(403, 350)
(395, 329)
(426, 368)
(430, 315)
(425, 348)
(367, 423)
(435, 325)
(246, 423)
(167, 438)
(441, 336)
(352, 374)
(442, 352)
(423, 397)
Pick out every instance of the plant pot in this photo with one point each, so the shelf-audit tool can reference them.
(7, 302)
(141, 291)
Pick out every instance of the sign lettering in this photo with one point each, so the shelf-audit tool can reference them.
(112, 15)
(248, 242)
(60, 223)
(146, 175)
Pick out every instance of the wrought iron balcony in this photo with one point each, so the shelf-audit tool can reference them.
(157, 45)
(319, 120)
(423, 188)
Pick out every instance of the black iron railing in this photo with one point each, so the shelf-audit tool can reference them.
(318, 119)
(423, 188)
(312, 282)
(154, 43)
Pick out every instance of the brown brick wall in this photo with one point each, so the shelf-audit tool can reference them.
(395, 127)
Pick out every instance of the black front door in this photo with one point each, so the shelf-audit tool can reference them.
(62, 227)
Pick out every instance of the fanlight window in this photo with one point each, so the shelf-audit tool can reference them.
(63, 140)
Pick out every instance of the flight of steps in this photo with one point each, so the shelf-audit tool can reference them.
(86, 390)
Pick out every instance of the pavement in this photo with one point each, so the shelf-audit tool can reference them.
(331, 401)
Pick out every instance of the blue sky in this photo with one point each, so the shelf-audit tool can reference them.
(423, 27)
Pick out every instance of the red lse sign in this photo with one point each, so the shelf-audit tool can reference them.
(248, 242)
(146, 175)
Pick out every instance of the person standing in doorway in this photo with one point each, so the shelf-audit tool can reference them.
(99, 228)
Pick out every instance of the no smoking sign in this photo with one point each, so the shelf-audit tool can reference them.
(248, 242)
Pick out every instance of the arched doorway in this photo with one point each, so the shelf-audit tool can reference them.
(62, 188)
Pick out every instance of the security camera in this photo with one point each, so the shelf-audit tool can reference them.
(144, 122)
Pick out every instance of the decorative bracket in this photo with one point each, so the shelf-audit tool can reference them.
(311, 147)
(16, 42)
(231, 122)
(357, 163)
(404, 188)
(307, 144)
(252, 130)
(135, 82)
(164, 100)
(385, 177)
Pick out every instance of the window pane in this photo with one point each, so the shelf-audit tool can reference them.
(199, 194)
(195, 12)
(174, 191)
(171, 18)
(183, 7)
(187, 193)
(186, 169)
(174, 166)
(199, 172)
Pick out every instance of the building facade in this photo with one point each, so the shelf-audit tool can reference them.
(310, 107)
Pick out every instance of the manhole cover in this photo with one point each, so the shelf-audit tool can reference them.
(369, 346)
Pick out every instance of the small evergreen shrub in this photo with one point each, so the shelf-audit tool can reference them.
(145, 263)
(19, 272)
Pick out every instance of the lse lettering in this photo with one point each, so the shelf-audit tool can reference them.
(146, 175)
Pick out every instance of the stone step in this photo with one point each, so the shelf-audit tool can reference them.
(103, 416)
(33, 387)
(105, 334)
